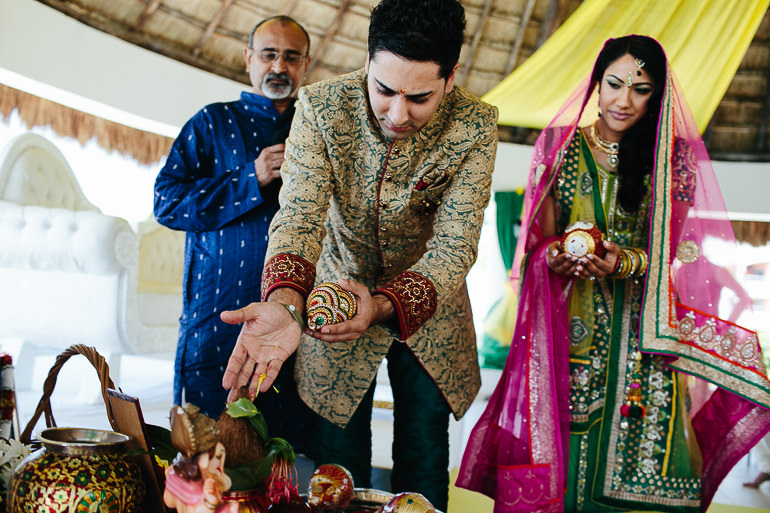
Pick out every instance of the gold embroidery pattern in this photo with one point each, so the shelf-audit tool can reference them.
(687, 251)
(683, 166)
(347, 206)
(638, 473)
(523, 490)
(414, 297)
(582, 478)
(743, 350)
(636, 468)
(287, 270)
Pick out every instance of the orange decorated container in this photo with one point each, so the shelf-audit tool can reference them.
(581, 239)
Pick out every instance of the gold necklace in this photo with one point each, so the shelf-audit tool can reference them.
(609, 148)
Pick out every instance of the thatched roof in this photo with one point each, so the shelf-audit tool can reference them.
(210, 35)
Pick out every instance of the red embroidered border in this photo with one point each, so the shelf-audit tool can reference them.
(287, 270)
(7, 394)
(414, 298)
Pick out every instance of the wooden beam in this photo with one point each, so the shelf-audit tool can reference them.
(127, 33)
(526, 16)
(329, 35)
(461, 77)
(148, 11)
(553, 18)
(289, 7)
(762, 132)
(211, 27)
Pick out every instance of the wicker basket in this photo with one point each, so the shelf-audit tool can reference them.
(81, 468)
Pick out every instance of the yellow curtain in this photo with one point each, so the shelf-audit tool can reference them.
(705, 41)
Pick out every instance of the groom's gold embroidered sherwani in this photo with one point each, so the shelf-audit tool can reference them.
(401, 217)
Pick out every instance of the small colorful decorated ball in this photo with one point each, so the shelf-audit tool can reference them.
(329, 303)
(408, 502)
(331, 488)
(581, 239)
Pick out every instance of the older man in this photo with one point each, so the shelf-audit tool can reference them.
(387, 175)
(220, 185)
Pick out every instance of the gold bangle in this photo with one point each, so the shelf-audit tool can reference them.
(632, 256)
(294, 313)
(624, 266)
(618, 267)
(631, 263)
(645, 262)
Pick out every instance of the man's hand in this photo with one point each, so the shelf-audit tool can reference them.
(268, 164)
(370, 310)
(268, 337)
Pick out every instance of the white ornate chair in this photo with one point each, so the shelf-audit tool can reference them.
(70, 274)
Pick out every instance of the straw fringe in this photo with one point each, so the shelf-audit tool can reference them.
(148, 148)
(145, 147)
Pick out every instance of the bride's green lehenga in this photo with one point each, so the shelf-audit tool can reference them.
(618, 463)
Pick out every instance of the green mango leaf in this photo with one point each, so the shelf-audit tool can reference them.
(251, 475)
(278, 446)
(245, 408)
(242, 478)
(260, 426)
(241, 408)
(159, 439)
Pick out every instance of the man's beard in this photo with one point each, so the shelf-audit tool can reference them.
(274, 91)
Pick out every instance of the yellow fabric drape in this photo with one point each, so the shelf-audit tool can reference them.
(704, 39)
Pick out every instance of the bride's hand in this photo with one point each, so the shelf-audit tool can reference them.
(594, 267)
(559, 261)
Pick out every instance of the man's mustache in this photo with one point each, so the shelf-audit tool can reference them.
(270, 75)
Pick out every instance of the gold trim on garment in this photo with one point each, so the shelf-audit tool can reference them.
(687, 251)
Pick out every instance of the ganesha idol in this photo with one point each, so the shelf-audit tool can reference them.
(195, 481)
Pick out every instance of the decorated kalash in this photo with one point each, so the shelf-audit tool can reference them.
(328, 303)
(232, 465)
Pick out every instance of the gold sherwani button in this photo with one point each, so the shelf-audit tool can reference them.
(388, 177)
(383, 204)
(396, 150)
(383, 228)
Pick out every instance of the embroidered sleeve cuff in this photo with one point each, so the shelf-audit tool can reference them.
(287, 270)
(414, 298)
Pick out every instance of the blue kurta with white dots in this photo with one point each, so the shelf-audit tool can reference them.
(208, 188)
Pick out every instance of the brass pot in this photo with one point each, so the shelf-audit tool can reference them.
(77, 471)
(249, 501)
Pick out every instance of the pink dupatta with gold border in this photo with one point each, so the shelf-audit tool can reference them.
(518, 451)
